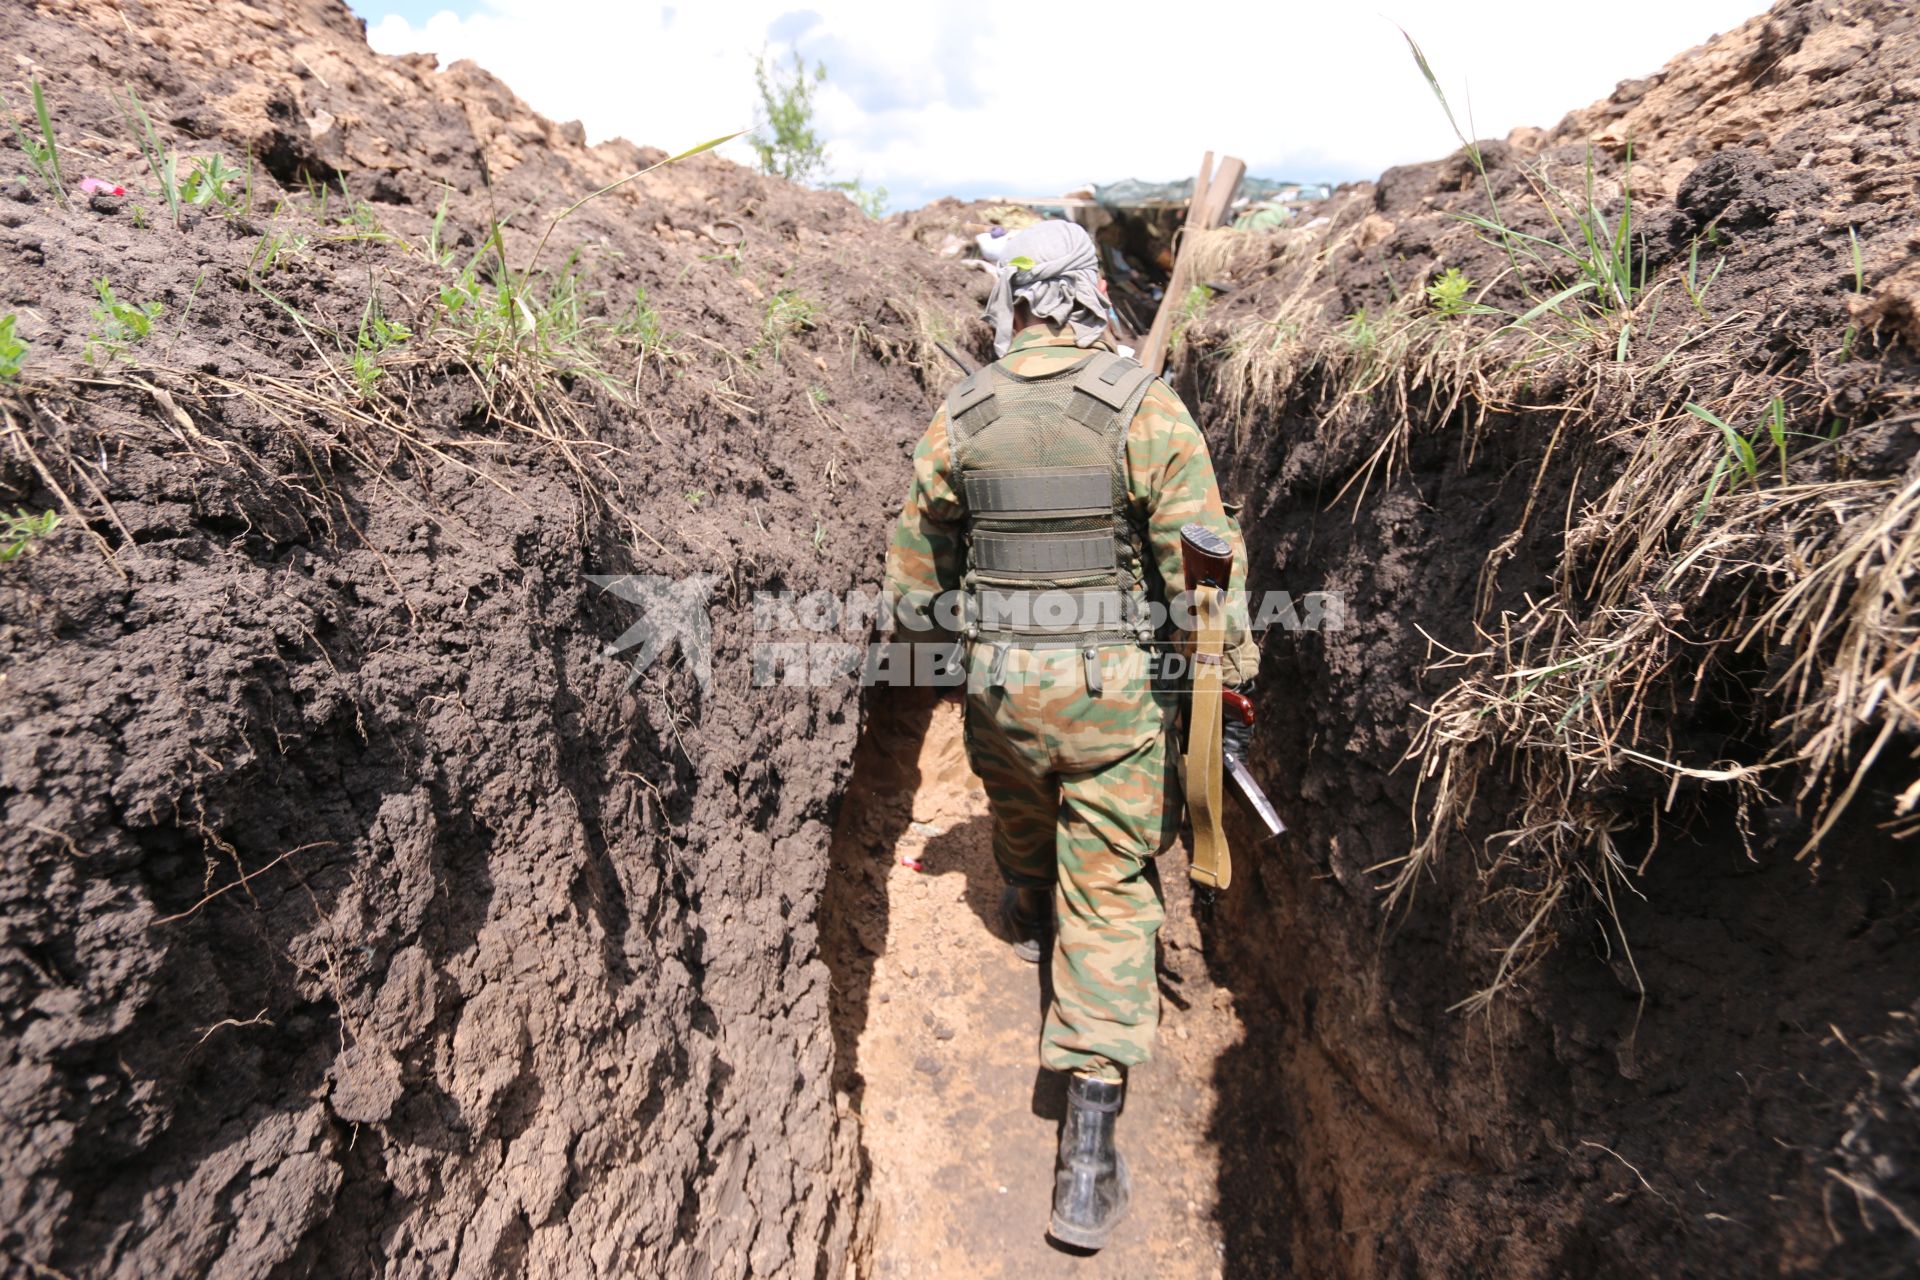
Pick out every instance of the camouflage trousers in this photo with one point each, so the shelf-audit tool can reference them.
(1084, 794)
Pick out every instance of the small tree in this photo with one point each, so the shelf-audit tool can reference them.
(784, 138)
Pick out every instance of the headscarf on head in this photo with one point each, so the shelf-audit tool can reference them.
(1052, 268)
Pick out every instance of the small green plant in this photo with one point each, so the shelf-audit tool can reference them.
(787, 313)
(118, 324)
(360, 222)
(1448, 292)
(1859, 291)
(1359, 332)
(695, 497)
(819, 394)
(13, 351)
(377, 336)
(871, 201)
(19, 531)
(1593, 264)
(1741, 462)
(277, 249)
(42, 152)
(161, 160)
(1192, 307)
(438, 250)
(819, 534)
(1691, 282)
(210, 182)
(784, 139)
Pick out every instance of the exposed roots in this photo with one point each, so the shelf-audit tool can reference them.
(1733, 557)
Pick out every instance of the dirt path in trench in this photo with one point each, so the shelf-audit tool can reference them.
(936, 1022)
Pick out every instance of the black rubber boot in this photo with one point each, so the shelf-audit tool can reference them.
(1025, 913)
(1091, 1189)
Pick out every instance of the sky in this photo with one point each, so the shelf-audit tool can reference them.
(1030, 98)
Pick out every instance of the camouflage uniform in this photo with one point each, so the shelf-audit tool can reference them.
(1083, 789)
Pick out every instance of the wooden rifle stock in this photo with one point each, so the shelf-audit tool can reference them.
(1206, 558)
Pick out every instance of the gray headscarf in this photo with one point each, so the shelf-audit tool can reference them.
(1052, 268)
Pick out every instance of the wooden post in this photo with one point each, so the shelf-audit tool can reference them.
(1213, 195)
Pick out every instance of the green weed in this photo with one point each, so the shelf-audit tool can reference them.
(1690, 281)
(786, 314)
(439, 252)
(19, 531)
(1859, 291)
(1359, 332)
(1743, 460)
(1448, 293)
(210, 181)
(43, 151)
(13, 350)
(1192, 307)
(117, 324)
(160, 158)
(642, 326)
(871, 201)
(377, 336)
(1592, 265)
(361, 223)
(695, 497)
(277, 249)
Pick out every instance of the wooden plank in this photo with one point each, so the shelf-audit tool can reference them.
(1213, 196)
(1221, 191)
(1199, 195)
(1153, 351)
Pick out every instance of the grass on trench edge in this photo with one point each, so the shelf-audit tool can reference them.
(1727, 490)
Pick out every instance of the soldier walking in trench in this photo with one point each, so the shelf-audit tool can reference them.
(1049, 493)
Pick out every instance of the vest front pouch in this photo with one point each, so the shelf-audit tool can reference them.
(1053, 556)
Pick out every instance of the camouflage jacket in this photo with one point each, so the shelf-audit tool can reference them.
(1170, 482)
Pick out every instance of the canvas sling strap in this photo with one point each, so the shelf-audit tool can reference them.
(1212, 865)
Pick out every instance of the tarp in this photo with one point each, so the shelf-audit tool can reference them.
(1132, 193)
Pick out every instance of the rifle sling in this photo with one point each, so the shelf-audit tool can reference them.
(1202, 766)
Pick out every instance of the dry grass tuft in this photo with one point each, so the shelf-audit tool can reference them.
(1731, 556)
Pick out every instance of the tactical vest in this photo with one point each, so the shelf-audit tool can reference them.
(1053, 556)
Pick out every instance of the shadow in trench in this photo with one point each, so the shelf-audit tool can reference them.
(1252, 1120)
(873, 818)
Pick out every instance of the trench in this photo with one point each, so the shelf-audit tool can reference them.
(936, 1025)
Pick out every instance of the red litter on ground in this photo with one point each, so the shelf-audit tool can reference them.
(100, 187)
(911, 864)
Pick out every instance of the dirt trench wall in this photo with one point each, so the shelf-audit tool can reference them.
(357, 915)
(1704, 1087)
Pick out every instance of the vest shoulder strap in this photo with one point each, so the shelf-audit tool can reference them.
(1105, 387)
(972, 398)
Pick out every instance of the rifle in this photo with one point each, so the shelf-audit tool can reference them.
(1206, 562)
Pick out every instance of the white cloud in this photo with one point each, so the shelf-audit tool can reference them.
(1005, 96)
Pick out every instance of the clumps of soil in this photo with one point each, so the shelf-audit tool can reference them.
(1596, 889)
(359, 914)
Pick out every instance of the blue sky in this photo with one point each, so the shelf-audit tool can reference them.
(414, 11)
(1020, 97)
